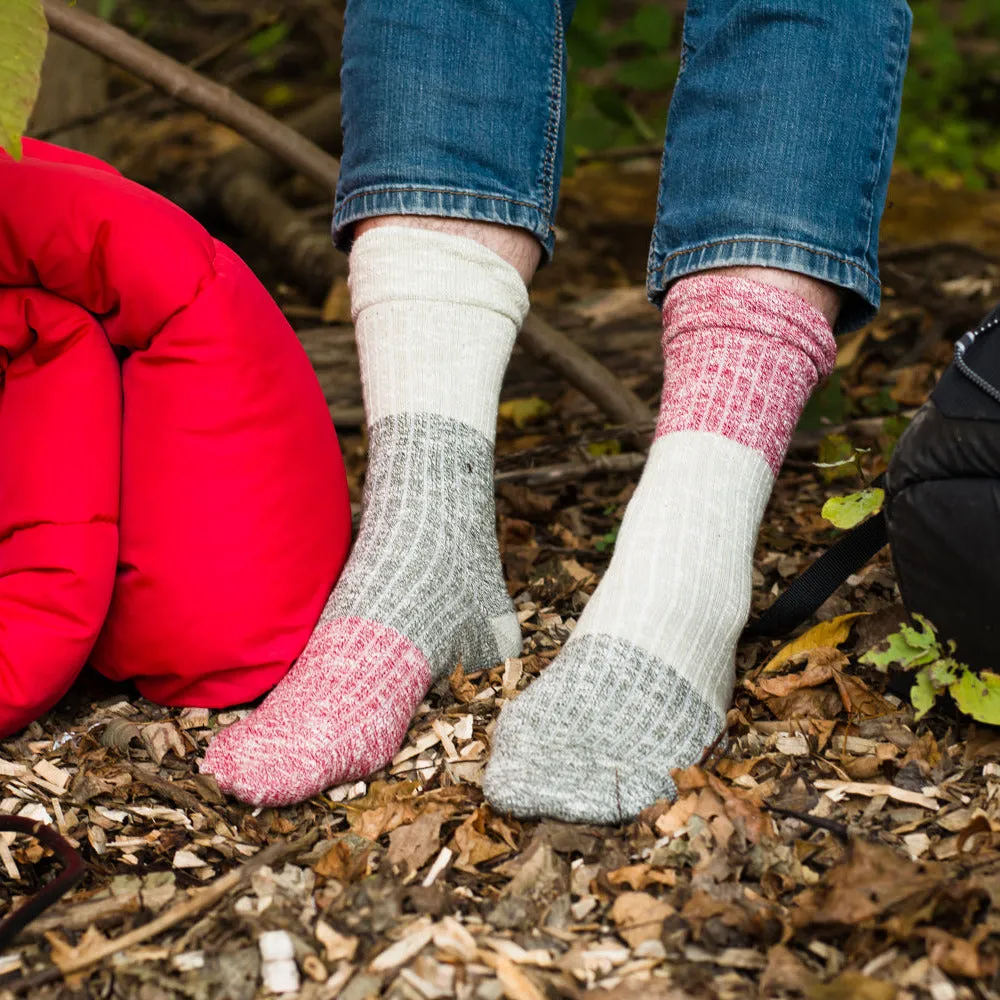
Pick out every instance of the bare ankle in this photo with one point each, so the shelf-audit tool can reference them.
(826, 298)
(516, 246)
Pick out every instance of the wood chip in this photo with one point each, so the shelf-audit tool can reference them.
(442, 862)
(52, 774)
(838, 789)
(403, 950)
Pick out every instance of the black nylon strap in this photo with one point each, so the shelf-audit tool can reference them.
(806, 593)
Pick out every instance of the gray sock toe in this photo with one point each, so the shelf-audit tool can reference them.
(596, 737)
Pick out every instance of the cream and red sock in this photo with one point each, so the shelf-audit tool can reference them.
(644, 682)
(435, 319)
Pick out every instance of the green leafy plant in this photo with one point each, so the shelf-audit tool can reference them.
(621, 73)
(948, 129)
(23, 34)
(840, 458)
(936, 671)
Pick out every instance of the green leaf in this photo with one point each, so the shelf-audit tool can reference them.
(23, 34)
(599, 448)
(923, 694)
(612, 105)
(606, 542)
(943, 672)
(908, 648)
(978, 695)
(521, 412)
(892, 428)
(280, 95)
(846, 512)
(585, 47)
(827, 406)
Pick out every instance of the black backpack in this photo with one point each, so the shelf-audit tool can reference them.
(941, 513)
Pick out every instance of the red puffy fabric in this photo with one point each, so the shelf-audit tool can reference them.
(204, 583)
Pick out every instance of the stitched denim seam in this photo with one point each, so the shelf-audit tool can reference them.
(397, 189)
(763, 239)
(887, 119)
(685, 43)
(555, 112)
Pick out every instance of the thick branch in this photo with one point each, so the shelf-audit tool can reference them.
(584, 372)
(186, 85)
(242, 182)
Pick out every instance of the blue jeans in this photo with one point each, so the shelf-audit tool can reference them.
(778, 148)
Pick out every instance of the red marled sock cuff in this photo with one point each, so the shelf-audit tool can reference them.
(741, 359)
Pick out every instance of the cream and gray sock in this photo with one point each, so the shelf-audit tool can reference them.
(644, 682)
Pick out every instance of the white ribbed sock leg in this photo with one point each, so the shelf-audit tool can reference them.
(435, 316)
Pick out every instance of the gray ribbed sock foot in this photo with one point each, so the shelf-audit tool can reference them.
(594, 737)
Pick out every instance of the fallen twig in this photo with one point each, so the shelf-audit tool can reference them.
(73, 870)
(809, 441)
(200, 900)
(544, 475)
(819, 822)
(186, 85)
(125, 101)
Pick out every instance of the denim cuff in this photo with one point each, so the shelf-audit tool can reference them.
(451, 204)
(859, 306)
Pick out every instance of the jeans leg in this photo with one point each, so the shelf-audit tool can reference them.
(780, 140)
(453, 109)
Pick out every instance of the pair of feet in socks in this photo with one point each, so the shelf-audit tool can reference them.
(643, 684)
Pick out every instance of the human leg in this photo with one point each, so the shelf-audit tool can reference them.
(769, 223)
(452, 122)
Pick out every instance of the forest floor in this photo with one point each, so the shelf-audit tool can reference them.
(834, 849)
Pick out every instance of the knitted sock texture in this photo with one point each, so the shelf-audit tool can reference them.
(644, 682)
(435, 319)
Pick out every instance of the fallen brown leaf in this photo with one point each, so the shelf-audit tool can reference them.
(385, 806)
(784, 971)
(639, 917)
(472, 843)
(411, 846)
(869, 880)
(461, 687)
(957, 957)
(342, 862)
(642, 876)
(859, 699)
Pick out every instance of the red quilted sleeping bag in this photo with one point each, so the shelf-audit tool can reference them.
(172, 499)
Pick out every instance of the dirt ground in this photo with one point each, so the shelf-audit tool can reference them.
(832, 848)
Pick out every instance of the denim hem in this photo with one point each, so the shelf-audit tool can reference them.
(767, 251)
(451, 204)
